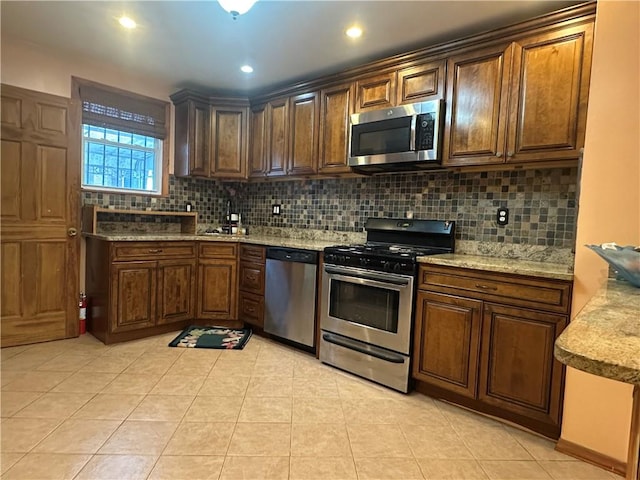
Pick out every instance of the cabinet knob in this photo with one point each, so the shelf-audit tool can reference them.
(498, 154)
(510, 154)
(72, 232)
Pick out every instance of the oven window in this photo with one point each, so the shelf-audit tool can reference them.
(371, 306)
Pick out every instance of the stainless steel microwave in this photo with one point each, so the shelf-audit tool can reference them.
(407, 137)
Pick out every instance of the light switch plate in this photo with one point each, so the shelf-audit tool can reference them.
(275, 209)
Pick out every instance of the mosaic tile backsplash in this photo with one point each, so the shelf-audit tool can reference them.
(541, 203)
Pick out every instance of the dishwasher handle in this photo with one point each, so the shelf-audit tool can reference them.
(292, 255)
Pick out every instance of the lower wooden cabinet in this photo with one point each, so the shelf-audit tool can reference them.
(251, 285)
(485, 341)
(217, 281)
(137, 289)
(447, 342)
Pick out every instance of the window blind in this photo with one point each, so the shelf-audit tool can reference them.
(109, 107)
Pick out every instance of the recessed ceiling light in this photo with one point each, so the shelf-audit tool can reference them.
(354, 32)
(127, 22)
(247, 68)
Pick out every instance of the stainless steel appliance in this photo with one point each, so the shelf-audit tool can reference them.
(406, 137)
(290, 294)
(368, 296)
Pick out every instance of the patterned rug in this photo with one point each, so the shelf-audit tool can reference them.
(212, 337)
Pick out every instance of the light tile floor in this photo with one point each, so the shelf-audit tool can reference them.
(77, 409)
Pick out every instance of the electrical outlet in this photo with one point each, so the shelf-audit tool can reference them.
(275, 209)
(502, 217)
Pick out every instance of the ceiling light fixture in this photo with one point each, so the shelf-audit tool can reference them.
(127, 22)
(354, 32)
(247, 68)
(236, 7)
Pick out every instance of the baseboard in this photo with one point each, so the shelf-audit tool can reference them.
(591, 456)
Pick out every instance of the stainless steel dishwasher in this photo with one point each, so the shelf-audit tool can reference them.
(290, 294)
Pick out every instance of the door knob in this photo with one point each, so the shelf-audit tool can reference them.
(72, 232)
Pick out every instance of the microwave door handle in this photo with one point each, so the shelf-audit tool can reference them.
(414, 123)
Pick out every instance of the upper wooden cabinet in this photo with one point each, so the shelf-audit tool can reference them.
(421, 82)
(211, 136)
(192, 137)
(549, 95)
(229, 141)
(377, 91)
(303, 138)
(258, 134)
(521, 102)
(336, 105)
(277, 130)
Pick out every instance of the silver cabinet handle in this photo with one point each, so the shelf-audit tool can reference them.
(155, 250)
(486, 287)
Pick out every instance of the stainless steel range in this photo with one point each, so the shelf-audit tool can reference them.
(368, 296)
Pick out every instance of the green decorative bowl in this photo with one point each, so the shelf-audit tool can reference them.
(624, 260)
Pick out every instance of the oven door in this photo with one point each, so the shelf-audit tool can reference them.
(369, 306)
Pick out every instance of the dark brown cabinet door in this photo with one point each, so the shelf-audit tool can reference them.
(336, 104)
(549, 95)
(217, 289)
(257, 167)
(447, 342)
(176, 290)
(133, 299)
(192, 137)
(303, 147)
(422, 82)
(518, 371)
(476, 106)
(278, 137)
(251, 278)
(251, 308)
(229, 142)
(377, 91)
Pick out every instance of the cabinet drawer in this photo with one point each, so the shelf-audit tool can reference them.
(218, 250)
(251, 308)
(252, 253)
(545, 294)
(252, 278)
(151, 250)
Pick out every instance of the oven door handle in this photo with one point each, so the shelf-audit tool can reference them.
(363, 348)
(369, 276)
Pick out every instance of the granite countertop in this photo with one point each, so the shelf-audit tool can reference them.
(604, 339)
(502, 265)
(267, 240)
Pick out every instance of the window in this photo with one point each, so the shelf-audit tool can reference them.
(124, 146)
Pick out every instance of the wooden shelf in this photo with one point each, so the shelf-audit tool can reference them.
(188, 220)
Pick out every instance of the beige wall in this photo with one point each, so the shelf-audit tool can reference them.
(597, 411)
(29, 66)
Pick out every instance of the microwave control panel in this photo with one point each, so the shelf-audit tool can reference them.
(426, 131)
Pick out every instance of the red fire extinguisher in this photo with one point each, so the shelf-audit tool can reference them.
(83, 313)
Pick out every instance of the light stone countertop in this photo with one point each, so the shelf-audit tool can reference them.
(501, 265)
(267, 240)
(604, 339)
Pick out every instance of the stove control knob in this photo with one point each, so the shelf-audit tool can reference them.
(396, 267)
(364, 262)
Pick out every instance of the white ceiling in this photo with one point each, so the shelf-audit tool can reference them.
(199, 45)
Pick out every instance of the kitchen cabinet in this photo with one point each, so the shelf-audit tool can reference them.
(336, 106)
(485, 340)
(251, 284)
(421, 83)
(519, 102)
(217, 281)
(211, 136)
(375, 92)
(229, 141)
(192, 136)
(303, 134)
(258, 135)
(277, 129)
(138, 289)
